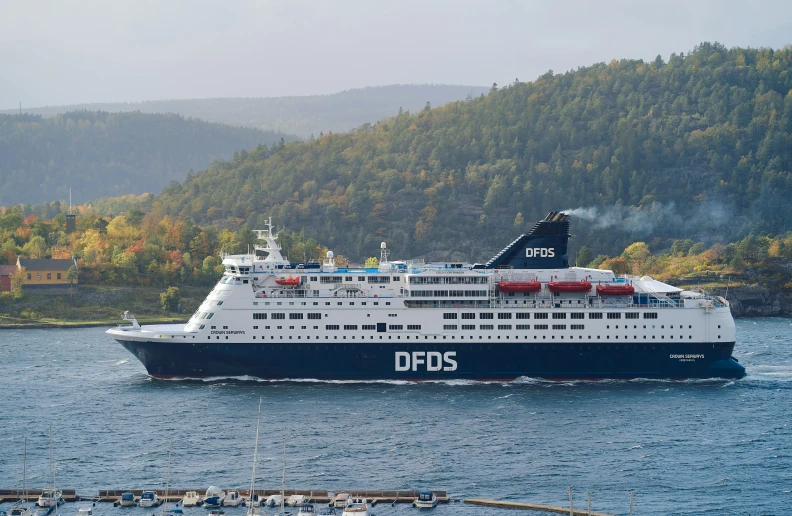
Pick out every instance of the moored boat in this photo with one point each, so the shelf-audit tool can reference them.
(295, 500)
(274, 500)
(357, 507)
(307, 509)
(127, 500)
(340, 500)
(213, 498)
(191, 499)
(425, 500)
(149, 499)
(50, 497)
(232, 499)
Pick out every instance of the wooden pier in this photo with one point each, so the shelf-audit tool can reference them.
(533, 507)
(14, 495)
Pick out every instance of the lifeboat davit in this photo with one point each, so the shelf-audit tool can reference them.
(568, 286)
(519, 286)
(291, 281)
(615, 290)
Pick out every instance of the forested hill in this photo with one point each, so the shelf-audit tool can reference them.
(99, 154)
(700, 146)
(302, 116)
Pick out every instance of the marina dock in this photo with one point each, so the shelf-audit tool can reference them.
(533, 507)
(174, 495)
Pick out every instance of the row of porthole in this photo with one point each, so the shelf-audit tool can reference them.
(462, 337)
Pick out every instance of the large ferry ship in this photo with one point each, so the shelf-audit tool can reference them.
(525, 313)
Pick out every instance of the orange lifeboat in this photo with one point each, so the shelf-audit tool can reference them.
(568, 286)
(291, 281)
(519, 286)
(615, 290)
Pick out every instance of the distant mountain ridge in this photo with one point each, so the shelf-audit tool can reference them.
(300, 115)
(99, 154)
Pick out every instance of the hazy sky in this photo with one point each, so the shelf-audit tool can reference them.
(64, 52)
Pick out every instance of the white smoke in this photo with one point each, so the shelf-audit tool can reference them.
(645, 220)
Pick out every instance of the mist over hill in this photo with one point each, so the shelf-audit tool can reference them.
(700, 146)
(303, 116)
(100, 154)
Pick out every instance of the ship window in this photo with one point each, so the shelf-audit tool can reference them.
(313, 278)
(614, 315)
(331, 327)
(504, 315)
(347, 278)
(376, 303)
(486, 316)
(395, 327)
(331, 279)
(576, 327)
(631, 315)
(485, 326)
(468, 316)
(595, 315)
(209, 316)
(413, 327)
(559, 326)
(577, 315)
(468, 326)
(387, 303)
(259, 316)
(350, 327)
(378, 279)
(449, 326)
(314, 316)
(296, 316)
(395, 278)
(245, 282)
(523, 326)
(278, 316)
(449, 316)
(504, 326)
(541, 315)
(523, 315)
(559, 315)
(540, 326)
(650, 315)
(255, 327)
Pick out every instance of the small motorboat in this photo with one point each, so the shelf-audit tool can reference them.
(274, 500)
(191, 499)
(176, 511)
(425, 500)
(232, 499)
(557, 287)
(20, 510)
(325, 511)
(149, 499)
(520, 286)
(296, 500)
(214, 497)
(615, 290)
(291, 281)
(340, 500)
(357, 507)
(253, 501)
(307, 509)
(50, 498)
(216, 512)
(85, 511)
(127, 500)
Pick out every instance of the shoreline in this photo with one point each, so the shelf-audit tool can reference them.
(65, 324)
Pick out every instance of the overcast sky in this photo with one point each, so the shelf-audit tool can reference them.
(66, 52)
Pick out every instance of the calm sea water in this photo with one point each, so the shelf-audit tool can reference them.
(698, 447)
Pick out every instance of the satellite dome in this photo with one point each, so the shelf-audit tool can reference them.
(330, 254)
(383, 245)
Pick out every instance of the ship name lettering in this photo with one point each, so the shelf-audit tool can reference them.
(430, 360)
(540, 252)
(687, 357)
(227, 332)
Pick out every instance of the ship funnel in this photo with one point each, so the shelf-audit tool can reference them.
(543, 247)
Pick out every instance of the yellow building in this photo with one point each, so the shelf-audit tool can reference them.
(47, 273)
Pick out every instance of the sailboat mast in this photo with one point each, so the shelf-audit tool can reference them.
(52, 467)
(255, 458)
(167, 480)
(24, 473)
(283, 480)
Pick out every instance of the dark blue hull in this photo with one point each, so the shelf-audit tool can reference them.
(437, 361)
